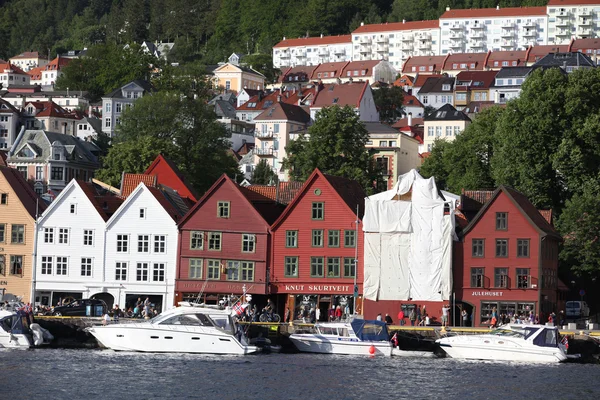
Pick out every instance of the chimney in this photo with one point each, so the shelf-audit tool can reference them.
(321, 36)
(498, 7)
(403, 21)
(89, 111)
(362, 24)
(447, 8)
(409, 119)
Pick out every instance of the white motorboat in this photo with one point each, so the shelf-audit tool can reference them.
(14, 330)
(359, 337)
(189, 328)
(528, 343)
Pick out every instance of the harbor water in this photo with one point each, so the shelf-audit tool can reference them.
(104, 374)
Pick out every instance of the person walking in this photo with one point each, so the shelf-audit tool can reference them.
(401, 316)
(445, 309)
(412, 316)
(465, 317)
(388, 319)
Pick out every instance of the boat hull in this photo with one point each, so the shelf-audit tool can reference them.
(154, 339)
(315, 344)
(15, 341)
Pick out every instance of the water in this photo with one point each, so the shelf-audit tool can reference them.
(91, 374)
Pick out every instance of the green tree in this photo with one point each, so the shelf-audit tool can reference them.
(262, 63)
(336, 144)
(263, 174)
(435, 165)
(388, 101)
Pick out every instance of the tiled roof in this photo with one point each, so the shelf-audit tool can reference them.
(454, 61)
(262, 191)
(421, 79)
(76, 150)
(105, 202)
(171, 177)
(6, 107)
(461, 219)
(170, 207)
(437, 62)
(476, 79)
(36, 73)
(572, 59)
(51, 109)
(494, 12)
(130, 181)
(475, 107)
(401, 123)
(404, 80)
(302, 72)
(585, 44)
(14, 68)
(436, 84)
(499, 56)
(341, 95)
(284, 111)
(281, 192)
(118, 92)
(315, 41)
(57, 64)
(263, 101)
(447, 113)
(245, 148)
(397, 26)
(537, 52)
(547, 214)
(415, 132)
(411, 101)
(360, 66)
(333, 69)
(27, 54)
(509, 72)
(473, 200)
(32, 203)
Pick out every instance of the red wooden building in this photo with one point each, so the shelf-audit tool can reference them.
(224, 244)
(314, 248)
(510, 258)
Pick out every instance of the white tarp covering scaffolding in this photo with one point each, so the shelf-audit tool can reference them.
(408, 244)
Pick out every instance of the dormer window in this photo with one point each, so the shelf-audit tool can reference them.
(445, 87)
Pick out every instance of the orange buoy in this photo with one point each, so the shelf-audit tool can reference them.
(372, 350)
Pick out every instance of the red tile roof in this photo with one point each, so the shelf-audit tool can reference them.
(169, 175)
(298, 70)
(547, 214)
(57, 64)
(499, 56)
(333, 69)
(404, 80)
(262, 191)
(401, 123)
(281, 192)
(315, 41)
(478, 79)
(130, 181)
(287, 96)
(27, 54)
(537, 52)
(415, 131)
(360, 66)
(27, 196)
(437, 62)
(51, 109)
(341, 95)
(422, 78)
(461, 219)
(36, 73)
(585, 44)
(16, 70)
(473, 200)
(106, 204)
(410, 101)
(398, 26)
(454, 61)
(494, 12)
(284, 111)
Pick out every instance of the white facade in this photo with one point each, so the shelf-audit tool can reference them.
(141, 249)
(9, 124)
(311, 51)
(575, 20)
(10, 76)
(114, 105)
(70, 248)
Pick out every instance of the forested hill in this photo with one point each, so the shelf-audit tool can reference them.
(206, 30)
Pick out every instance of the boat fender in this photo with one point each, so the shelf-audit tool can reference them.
(40, 335)
(372, 350)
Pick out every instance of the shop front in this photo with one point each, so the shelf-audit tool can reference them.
(315, 302)
(480, 304)
(212, 292)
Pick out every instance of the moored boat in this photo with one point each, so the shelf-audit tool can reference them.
(527, 343)
(358, 337)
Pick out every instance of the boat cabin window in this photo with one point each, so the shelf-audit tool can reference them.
(222, 321)
(327, 330)
(190, 320)
(547, 338)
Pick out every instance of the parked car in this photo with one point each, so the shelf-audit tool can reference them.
(82, 308)
(577, 309)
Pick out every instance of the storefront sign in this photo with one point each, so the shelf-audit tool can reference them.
(489, 294)
(318, 288)
(218, 286)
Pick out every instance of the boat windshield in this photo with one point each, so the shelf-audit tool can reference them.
(327, 330)
(222, 321)
(188, 319)
(507, 332)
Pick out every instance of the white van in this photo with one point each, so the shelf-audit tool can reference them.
(577, 309)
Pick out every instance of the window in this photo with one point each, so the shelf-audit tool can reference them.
(160, 243)
(122, 243)
(2, 232)
(141, 272)
(349, 267)
(477, 277)
(158, 272)
(425, 99)
(501, 221)
(438, 131)
(501, 277)
(4, 198)
(18, 234)
(197, 240)
(142, 213)
(16, 265)
(248, 243)
(317, 210)
(523, 248)
(63, 235)
(46, 265)
(333, 239)
(227, 85)
(247, 271)
(121, 271)
(317, 238)
(522, 278)
(48, 235)
(107, 107)
(107, 123)
(143, 243)
(291, 238)
(478, 246)
(223, 209)
(56, 173)
(501, 247)
(86, 266)
(448, 131)
(61, 265)
(213, 270)
(73, 209)
(118, 107)
(233, 270)
(39, 173)
(333, 267)
(88, 237)
(430, 131)
(456, 130)
(291, 266)
(349, 238)
(214, 241)
(195, 271)
(316, 267)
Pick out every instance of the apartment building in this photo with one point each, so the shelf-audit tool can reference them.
(569, 19)
(312, 51)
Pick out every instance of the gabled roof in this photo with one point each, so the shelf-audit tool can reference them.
(51, 109)
(435, 85)
(57, 64)
(299, 73)
(475, 107)
(473, 61)
(350, 93)
(118, 92)
(14, 68)
(494, 12)
(32, 203)
(401, 123)
(27, 54)
(240, 67)
(447, 113)
(527, 209)
(409, 100)
(404, 80)
(262, 101)
(436, 62)
(510, 72)
(168, 174)
(537, 52)
(315, 41)
(366, 66)
(398, 26)
(224, 109)
(228, 97)
(281, 192)
(35, 74)
(585, 44)
(284, 111)
(105, 202)
(333, 69)
(572, 59)
(421, 79)
(131, 181)
(378, 127)
(264, 207)
(496, 58)
(7, 108)
(476, 80)
(348, 191)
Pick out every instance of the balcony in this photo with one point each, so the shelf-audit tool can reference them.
(456, 44)
(407, 38)
(507, 33)
(339, 51)
(456, 26)
(529, 23)
(266, 152)
(265, 135)
(301, 54)
(563, 22)
(584, 22)
(477, 26)
(324, 51)
(382, 39)
(382, 48)
(477, 34)
(424, 45)
(284, 54)
(424, 36)
(507, 43)
(563, 33)
(476, 44)
(456, 35)
(364, 49)
(364, 40)
(563, 14)
(586, 13)
(507, 25)
(530, 33)
(585, 32)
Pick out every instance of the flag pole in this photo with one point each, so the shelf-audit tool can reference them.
(355, 261)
